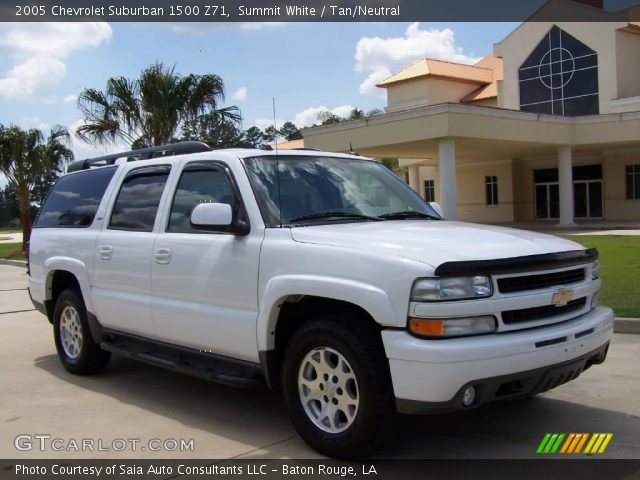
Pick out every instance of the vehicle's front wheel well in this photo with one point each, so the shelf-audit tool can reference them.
(61, 280)
(295, 311)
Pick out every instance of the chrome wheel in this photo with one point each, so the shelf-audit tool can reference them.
(328, 390)
(70, 332)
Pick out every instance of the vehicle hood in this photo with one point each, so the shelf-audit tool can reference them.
(434, 242)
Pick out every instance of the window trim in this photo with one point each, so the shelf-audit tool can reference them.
(432, 188)
(494, 201)
(238, 213)
(630, 196)
(102, 199)
(134, 172)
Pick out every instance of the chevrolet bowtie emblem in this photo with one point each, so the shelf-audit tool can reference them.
(562, 297)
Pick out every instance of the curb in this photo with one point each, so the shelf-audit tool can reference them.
(15, 263)
(627, 325)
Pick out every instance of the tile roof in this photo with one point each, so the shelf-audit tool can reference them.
(427, 67)
(491, 90)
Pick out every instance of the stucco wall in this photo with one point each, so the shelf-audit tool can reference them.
(616, 206)
(471, 191)
(426, 91)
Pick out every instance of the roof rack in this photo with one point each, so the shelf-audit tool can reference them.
(309, 149)
(140, 154)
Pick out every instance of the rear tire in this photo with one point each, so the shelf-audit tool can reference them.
(337, 386)
(77, 350)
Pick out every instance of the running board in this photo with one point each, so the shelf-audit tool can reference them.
(215, 368)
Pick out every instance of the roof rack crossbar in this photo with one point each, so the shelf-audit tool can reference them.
(140, 154)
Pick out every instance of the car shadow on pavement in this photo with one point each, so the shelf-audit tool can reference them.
(251, 416)
(258, 417)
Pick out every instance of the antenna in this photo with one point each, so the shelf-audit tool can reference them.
(275, 140)
(275, 126)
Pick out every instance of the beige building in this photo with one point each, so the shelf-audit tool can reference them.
(547, 128)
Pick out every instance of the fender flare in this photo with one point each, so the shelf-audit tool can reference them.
(373, 300)
(77, 269)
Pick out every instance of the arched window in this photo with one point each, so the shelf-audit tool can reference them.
(560, 77)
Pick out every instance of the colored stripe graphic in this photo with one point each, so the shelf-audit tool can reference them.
(581, 443)
(598, 443)
(543, 443)
(551, 443)
(573, 443)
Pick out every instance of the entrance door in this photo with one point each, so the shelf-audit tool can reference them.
(587, 198)
(547, 200)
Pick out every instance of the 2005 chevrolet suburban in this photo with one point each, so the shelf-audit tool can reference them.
(322, 275)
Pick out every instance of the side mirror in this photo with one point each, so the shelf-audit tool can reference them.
(220, 216)
(438, 209)
(212, 215)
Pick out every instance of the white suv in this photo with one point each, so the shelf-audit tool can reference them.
(322, 275)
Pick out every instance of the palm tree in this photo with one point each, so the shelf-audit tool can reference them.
(150, 110)
(27, 159)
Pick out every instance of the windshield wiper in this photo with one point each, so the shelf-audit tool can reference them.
(407, 214)
(334, 213)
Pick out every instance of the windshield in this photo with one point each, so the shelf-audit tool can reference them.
(327, 189)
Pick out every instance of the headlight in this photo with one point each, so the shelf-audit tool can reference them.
(452, 327)
(595, 270)
(451, 288)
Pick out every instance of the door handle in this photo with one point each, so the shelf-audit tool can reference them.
(105, 252)
(162, 256)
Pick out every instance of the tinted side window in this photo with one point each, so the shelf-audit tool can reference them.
(74, 199)
(138, 200)
(198, 186)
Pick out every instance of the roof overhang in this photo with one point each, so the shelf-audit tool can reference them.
(480, 132)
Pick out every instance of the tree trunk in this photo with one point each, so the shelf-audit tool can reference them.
(25, 217)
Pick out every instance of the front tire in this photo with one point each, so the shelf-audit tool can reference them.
(77, 350)
(337, 386)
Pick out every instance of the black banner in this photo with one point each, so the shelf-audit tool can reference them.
(584, 469)
(315, 11)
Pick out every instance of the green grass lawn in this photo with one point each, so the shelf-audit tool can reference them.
(7, 250)
(620, 271)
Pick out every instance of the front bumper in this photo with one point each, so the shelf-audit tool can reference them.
(430, 375)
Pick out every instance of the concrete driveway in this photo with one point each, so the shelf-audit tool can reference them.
(134, 401)
(10, 237)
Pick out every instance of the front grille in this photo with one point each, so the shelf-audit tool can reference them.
(545, 280)
(540, 313)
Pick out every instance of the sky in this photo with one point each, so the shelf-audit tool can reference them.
(306, 67)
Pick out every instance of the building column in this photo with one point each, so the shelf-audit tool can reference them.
(565, 179)
(448, 182)
(414, 177)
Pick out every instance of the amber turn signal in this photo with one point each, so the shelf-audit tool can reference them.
(431, 327)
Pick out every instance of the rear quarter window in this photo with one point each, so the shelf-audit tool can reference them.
(74, 199)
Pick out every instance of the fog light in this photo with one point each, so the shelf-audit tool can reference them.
(469, 396)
